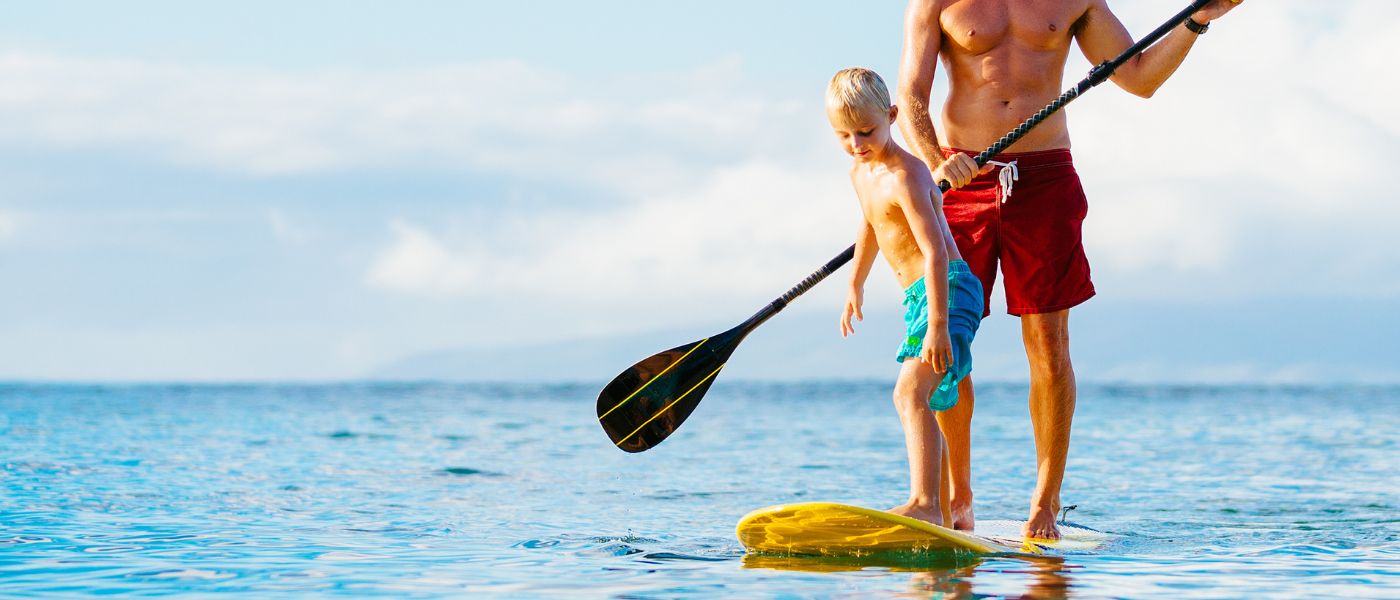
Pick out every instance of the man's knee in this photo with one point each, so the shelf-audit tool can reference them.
(1047, 326)
(1052, 368)
(1047, 344)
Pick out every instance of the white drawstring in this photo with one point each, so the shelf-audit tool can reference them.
(1007, 178)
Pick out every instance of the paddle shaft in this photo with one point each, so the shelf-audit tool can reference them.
(1096, 76)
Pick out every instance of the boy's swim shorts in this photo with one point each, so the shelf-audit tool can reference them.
(1034, 232)
(964, 315)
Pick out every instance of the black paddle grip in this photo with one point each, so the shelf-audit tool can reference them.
(818, 275)
(801, 288)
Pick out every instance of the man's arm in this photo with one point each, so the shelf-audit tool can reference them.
(1101, 36)
(923, 37)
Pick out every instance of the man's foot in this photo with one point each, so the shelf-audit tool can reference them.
(962, 517)
(922, 512)
(1041, 524)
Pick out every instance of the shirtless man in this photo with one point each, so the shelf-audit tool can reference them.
(1005, 60)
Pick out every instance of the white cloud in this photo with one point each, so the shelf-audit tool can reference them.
(506, 117)
(256, 121)
(8, 225)
(284, 230)
(1156, 228)
(744, 233)
(418, 262)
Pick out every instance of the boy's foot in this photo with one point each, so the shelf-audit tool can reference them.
(1041, 524)
(962, 517)
(919, 511)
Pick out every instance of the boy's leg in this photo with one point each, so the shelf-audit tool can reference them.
(944, 503)
(956, 425)
(922, 440)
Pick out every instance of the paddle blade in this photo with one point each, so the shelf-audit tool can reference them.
(647, 402)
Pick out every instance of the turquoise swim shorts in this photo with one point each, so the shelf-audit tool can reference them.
(964, 315)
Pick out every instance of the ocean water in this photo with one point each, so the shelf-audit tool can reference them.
(513, 491)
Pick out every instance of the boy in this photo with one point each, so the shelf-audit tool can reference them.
(903, 218)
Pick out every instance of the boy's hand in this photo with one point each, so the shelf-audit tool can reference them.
(958, 170)
(938, 349)
(854, 300)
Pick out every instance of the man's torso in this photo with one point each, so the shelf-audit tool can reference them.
(1005, 60)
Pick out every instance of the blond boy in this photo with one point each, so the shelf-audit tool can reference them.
(903, 218)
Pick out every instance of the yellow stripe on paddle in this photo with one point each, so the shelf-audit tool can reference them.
(668, 406)
(658, 376)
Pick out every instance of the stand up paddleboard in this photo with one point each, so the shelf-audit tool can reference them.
(1073, 538)
(830, 529)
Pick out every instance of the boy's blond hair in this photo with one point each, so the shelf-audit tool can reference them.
(857, 91)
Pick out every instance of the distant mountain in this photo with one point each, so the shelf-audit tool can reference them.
(1313, 342)
(792, 346)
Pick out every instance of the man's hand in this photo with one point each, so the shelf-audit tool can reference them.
(938, 348)
(854, 300)
(958, 170)
(1215, 10)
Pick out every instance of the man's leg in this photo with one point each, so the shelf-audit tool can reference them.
(922, 441)
(1046, 337)
(956, 424)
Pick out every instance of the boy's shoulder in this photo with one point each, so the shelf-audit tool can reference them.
(903, 180)
(912, 177)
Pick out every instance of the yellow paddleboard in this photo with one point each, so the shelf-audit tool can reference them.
(829, 529)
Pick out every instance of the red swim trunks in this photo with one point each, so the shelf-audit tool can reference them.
(1035, 232)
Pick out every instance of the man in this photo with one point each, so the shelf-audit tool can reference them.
(1005, 60)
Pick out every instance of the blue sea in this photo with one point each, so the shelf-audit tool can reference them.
(432, 490)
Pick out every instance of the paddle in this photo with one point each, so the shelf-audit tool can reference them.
(643, 405)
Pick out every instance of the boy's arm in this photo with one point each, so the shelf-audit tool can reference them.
(921, 212)
(866, 250)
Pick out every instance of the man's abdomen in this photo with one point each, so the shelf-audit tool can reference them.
(993, 93)
(978, 122)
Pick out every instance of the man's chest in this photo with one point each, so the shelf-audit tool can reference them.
(978, 26)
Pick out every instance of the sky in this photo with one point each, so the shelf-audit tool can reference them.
(339, 190)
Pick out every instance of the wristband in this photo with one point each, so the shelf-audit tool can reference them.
(1197, 28)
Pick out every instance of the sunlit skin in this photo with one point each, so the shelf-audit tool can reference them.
(904, 221)
(1005, 60)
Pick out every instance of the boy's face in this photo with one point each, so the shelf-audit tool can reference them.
(864, 135)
